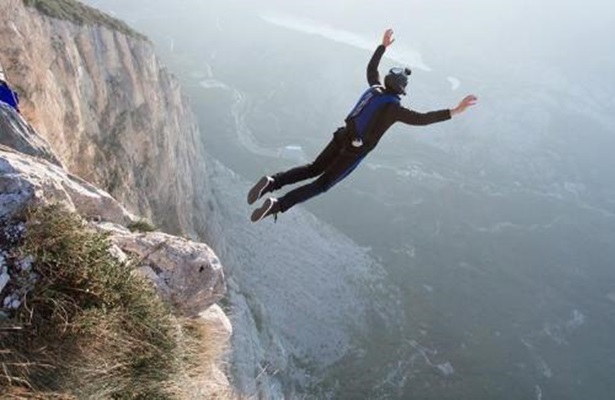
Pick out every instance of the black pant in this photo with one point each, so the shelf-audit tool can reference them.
(332, 165)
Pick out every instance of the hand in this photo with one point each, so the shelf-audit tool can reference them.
(468, 101)
(388, 39)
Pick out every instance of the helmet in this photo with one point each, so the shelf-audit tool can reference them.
(397, 80)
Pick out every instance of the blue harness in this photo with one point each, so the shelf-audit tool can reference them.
(361, 119)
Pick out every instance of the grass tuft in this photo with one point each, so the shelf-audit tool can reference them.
(91, 328)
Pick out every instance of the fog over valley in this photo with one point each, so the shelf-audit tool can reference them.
(469, 259)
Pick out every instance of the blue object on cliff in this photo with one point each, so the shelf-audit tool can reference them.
(9, 96)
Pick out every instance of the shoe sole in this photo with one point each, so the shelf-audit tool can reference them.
(257, 190)
(262, 211)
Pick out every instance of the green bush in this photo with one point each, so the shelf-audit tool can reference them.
(80, 14)
(90, 328)
(141, 225)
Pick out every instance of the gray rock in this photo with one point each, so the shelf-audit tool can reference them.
(17, 134)
(25, 181)
(26, 263)
(186, 273)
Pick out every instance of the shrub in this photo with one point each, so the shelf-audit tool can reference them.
(141, 225)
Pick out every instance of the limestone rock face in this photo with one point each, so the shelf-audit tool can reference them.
(111, 112)
(25, 181)
(186, 273)
(114, 116)
(17, 134)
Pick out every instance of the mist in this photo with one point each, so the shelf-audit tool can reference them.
(558, 31)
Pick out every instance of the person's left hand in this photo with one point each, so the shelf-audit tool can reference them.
(468, 101)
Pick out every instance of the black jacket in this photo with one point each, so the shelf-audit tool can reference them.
(392, 113)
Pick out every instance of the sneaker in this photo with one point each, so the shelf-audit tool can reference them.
(263, 186)
(269, 207)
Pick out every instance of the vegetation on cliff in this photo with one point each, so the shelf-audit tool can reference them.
(141, 225)
(81, 14)
(90, 327)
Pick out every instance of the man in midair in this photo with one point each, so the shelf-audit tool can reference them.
(377, 109)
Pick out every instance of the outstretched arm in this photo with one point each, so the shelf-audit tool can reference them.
(411, 117)
(468, 101)
(373, 77)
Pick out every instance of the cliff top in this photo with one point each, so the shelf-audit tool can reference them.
(81, 14)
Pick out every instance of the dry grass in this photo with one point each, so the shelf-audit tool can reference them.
(200, 377)
(93, 329)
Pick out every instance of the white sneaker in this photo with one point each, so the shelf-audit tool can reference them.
(262, 186)
(269, 207)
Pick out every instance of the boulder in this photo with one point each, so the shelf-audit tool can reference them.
(186, 273)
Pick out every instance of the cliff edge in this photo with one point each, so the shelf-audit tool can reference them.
(110, 111)
(90, 308)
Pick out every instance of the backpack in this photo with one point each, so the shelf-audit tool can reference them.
(361, 119)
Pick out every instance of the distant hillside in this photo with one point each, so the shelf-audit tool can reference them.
(78, 13)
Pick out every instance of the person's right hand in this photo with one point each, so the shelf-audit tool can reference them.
(388, 39)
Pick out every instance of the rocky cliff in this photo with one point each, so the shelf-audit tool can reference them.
(110, 110)
(97, 102)
(187, 276)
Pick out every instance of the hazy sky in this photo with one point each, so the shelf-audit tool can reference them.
(564, 31)
(575, 35)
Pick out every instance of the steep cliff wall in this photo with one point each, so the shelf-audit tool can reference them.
(116, 118)
(110, 111)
